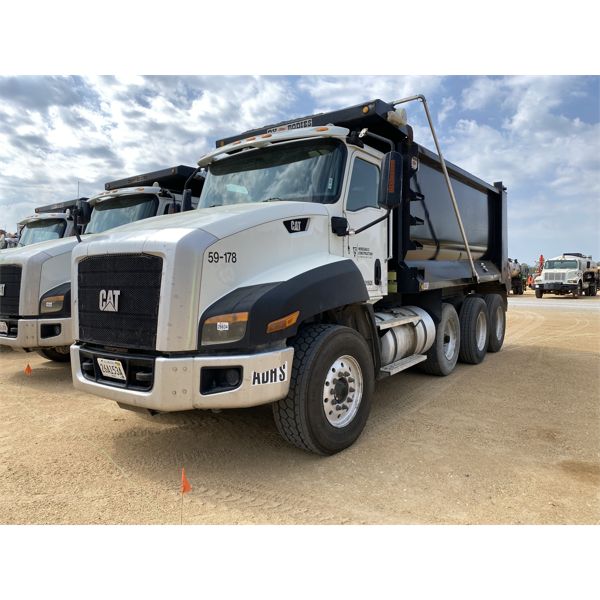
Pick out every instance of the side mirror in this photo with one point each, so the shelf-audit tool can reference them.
(82, 213)
(390, 187)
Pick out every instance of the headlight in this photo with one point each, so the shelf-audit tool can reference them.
(51, 304)
(56, 300)
(224, 329)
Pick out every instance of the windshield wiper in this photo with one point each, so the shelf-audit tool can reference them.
(274, 199)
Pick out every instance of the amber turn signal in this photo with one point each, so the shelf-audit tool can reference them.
(283, 323)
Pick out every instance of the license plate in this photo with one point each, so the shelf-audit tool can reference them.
(112, 368)
(3, 327)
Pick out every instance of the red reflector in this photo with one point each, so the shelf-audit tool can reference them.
(392, 177)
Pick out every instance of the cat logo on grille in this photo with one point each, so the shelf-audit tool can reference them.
(109, 300)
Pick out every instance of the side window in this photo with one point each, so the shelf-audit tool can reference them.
(364, 186)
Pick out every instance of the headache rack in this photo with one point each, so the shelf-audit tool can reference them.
(58, 207)
(372, 115)
(173, 179)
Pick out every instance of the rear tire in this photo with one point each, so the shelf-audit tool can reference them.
(474, 330)
(496, 313)
(539, 293)
(443, 354)
(331, 385)
(58, 354)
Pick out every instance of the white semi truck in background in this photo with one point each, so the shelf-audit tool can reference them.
(570, 273)
(35, 280)
(50, 222)
(326, 252)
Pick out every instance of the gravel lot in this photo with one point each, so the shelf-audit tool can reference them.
(513, 440)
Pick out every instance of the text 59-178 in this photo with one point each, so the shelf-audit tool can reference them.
(226, 257)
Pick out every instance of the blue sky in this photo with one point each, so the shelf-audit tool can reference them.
(539, 135)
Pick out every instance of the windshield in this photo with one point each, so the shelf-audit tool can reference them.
(120, 211)
(308, 171)
(560, 264)
(40, 231)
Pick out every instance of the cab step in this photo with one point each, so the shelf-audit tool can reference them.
(400, 365)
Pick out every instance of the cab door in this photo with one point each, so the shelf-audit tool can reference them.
(368, 249)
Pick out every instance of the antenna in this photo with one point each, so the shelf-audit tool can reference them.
(78, 188)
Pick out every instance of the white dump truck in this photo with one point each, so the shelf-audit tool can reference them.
(50, 222)
(35, 280)
(326, 252)
(570, 273)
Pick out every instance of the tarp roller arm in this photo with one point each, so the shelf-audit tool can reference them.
(446, 176)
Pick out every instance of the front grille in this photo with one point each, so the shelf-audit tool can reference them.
(555, 276)
(136, 280)
(10, 290)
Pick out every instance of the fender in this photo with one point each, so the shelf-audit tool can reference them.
(317, 290)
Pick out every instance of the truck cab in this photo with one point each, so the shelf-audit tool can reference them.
(324, 254)
(570, 273)
(50, 222)
(35, 286)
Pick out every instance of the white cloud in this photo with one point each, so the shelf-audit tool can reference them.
(329, 93)
(448, 105)
(481, 93)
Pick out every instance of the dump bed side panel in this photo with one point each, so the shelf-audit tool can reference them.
(439, 236)
(430, 249)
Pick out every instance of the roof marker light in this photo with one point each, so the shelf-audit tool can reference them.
(266, 135)
(321, 128)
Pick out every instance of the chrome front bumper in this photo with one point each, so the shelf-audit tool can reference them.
(29, 333)
(176, 381)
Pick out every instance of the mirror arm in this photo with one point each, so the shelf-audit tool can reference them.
(361, 229)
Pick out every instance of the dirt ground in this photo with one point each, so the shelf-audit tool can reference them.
(513, 440)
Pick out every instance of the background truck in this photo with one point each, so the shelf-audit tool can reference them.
(326, 252)
(570, 273)
(50, 222)
(35, 280)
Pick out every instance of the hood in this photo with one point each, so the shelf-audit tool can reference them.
(49, 249)
(220, 221)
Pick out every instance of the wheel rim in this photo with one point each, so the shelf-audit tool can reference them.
(481, 331)
(450, 338)
(499, 322)
(342, 391)
(62, 349)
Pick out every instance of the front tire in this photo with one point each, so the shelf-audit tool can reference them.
(496, 312)
(58, 354)
(331, 385)
(539, 293)
(443, 354)
(474, 330)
